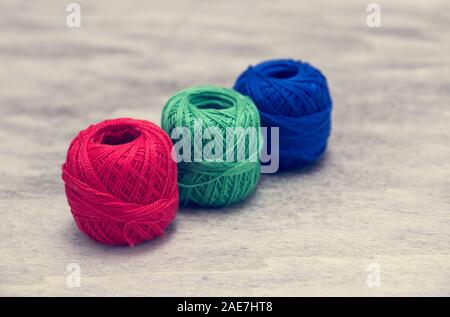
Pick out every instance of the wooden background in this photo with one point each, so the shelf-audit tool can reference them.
(381, 194)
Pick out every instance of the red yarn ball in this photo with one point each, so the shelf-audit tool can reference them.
(121, 182)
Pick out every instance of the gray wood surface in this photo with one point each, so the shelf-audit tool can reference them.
(381, 194)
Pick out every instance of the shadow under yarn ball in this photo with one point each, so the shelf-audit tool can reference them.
(217, 138)
(293, 96)
(120, 181)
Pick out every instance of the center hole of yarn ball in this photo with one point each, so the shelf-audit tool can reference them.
(282, 71)
(119, 135)
(208, 101)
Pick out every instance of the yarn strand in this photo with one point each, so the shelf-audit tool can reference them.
(215, 184)
(120, 181)
(293, 96)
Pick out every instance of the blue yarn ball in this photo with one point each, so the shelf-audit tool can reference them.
(293, 96)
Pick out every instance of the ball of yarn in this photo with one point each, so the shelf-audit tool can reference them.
(121, 182)
(293, 96)
(221, 182)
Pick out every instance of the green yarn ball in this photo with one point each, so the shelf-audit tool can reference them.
(217, 140)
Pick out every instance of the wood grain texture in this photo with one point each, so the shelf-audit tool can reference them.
(380, 195)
